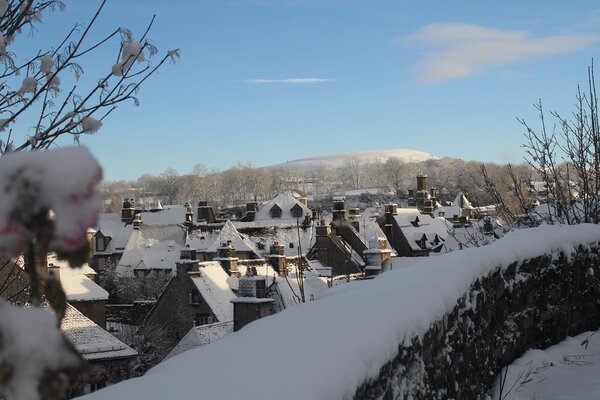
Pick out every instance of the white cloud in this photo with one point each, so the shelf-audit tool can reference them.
(456, 50)
(292, 81)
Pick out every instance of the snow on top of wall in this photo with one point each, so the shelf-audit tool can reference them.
(567, 370)
(345, 337)
(212, 283)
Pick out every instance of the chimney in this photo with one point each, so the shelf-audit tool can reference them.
(323, 230)
(391, 208)
(339, 203)
(422, 183)
(137, 221)
(54, 270)
(278, 259)
(188, 253)
(189, 214)
(252, 303)
(375, 256)
(184, 267)
(354, 217)
(127, 211)
(205, 213)
(227, 257)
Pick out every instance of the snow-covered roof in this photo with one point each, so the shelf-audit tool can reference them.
(152, 247)
(93, 342)
(211, 280)
(314, 282)
(210, 241)
(169, 215)
(75, 283)
(286, 202)
(426, 225)
(375, 317)
(284, 235)
(110, 224)
(461, 201)
(369, 228)
(200, 336)
(449, 211)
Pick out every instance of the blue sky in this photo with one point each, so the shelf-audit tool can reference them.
(269, 81)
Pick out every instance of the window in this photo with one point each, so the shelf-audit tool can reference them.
(297, 211)
(203, 319)
(275, 211)
(195, 298)
(100, 243)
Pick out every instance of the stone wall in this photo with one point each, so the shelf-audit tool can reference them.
(532, 304)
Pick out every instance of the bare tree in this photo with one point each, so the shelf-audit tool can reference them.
(394, 172)
(31, 90)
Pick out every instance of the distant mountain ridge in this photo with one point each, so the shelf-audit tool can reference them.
(364, 157)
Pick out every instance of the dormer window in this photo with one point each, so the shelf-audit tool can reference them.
(101, 241)
(422, 242)
(275, 211)
(297, 211)
(415, 223)
(195, 297)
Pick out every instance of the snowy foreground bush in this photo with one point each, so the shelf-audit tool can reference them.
(327, 348)
(49, 200)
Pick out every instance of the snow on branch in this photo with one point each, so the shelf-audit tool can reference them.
(56, 190)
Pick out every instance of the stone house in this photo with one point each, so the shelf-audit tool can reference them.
(199, 294)
(81, 290)
(411, 233)
(107, 358)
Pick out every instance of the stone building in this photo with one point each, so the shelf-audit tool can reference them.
(107, 358)
(412, 233)
(199, 294)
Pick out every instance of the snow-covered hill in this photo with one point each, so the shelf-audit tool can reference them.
(364, 157)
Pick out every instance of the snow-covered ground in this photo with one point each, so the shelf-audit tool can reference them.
(325, 349)
(569, 370)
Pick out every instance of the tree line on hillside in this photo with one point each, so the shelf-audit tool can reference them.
(244, 182)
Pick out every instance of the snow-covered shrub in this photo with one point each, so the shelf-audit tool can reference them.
(49, 200)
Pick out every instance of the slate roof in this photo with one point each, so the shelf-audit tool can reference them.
(93, 342)
(427, 225)
(152, 247)
(213, 284)
(77, 286)
(200, 336)
(285, 201)
(209, 241)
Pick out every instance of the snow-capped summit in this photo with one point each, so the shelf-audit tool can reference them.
(364, 157)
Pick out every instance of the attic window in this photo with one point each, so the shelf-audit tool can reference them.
(422, 242)
(203, 319)
(297, 211)
(275, 211)
(415, 223)
(195, 297)
(100, 243)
